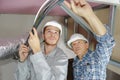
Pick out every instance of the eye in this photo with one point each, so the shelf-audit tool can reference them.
(56, 32)
(48, 31)
(73, 44)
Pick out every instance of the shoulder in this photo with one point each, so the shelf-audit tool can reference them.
(60, 52)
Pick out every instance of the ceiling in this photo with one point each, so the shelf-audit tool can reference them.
(28, 7)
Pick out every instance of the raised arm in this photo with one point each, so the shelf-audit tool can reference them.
(83, 9)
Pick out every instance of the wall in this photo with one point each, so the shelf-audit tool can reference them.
(12, 27)
(116, 51)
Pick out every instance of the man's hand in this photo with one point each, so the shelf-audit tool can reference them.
(34, 41)
(80, 7)
(83, 9)
(23, 52)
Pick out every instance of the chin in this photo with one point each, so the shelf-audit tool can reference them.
(52, 43)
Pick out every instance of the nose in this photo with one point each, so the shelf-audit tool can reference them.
(52, 34)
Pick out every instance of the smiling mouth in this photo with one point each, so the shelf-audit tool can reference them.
(52, 38)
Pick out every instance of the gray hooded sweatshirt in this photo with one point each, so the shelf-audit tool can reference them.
(43, 67)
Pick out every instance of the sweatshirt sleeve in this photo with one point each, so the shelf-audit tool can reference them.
(22, 72)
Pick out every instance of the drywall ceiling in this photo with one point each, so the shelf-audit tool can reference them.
(28, 7)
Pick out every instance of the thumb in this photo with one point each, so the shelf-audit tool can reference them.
(83, 2)
(67, 4)
(35, 32)
(73, 6)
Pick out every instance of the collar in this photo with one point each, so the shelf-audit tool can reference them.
(52, 53)
(84, 57)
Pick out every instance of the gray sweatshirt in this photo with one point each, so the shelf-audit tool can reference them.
(43, 67)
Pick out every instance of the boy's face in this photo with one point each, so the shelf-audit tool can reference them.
(80, 47)
(51, 35)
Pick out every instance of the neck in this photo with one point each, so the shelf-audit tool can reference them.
(80, 56)
(49, 48)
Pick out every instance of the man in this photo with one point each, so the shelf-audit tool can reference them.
(90, 65)
(47, 61)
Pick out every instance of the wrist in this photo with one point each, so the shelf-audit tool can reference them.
(21, 61)
(36, 50)
(90, 16)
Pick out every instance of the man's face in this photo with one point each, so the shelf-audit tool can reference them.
(51, 35)
(80, 47)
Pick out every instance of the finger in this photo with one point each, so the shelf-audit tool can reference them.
(25, 49)
(22, 50)
(73, 6)
(25, 53)
(31, 35)
(67, 4)
(35, 32)
(29, 42)
(76, 1)
(23, 46)
(82, 2)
